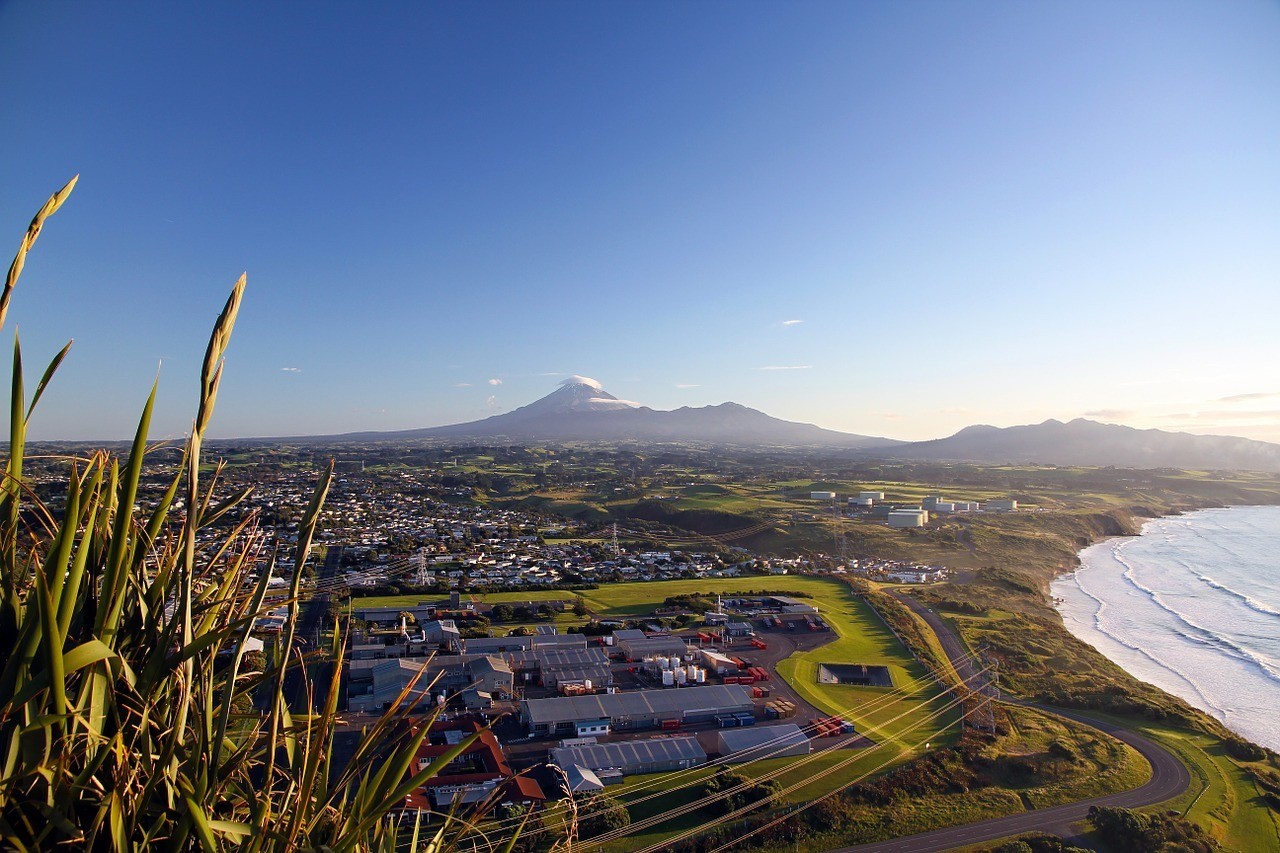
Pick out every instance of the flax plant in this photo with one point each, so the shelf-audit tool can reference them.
(120, 728)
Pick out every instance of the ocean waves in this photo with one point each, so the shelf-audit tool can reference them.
(1192, 606)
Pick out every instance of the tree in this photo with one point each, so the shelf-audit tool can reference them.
(579, 606)
(503, 613)
(599, 813)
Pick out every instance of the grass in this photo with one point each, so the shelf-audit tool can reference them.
(1222, 797)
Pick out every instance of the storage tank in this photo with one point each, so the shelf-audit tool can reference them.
(664, 663)
(676, 662)
(586, 685)
(668, 678)
(682, 677)
(702, 676)
(692, 670)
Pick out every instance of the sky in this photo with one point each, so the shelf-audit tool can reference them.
(886, 218)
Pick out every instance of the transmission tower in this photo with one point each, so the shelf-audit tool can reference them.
(616, 550)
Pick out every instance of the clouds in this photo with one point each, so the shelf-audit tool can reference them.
(462, 385)
(575, 379)
(1248, 398)
(291, 369)
(786, 367)
(1110, 414)
(495, 381)
(683, 385)
(791, 322)
(491, 401)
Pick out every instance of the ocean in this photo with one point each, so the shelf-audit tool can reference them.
(1193, 607)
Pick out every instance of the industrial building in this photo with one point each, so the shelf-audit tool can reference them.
(822, 496)
(637, 710)
(1001, 506)
(752, 743)
(654, 755)
(558, 665)
(717, 662)
(787, 604)
(374, 684)
(649, 647)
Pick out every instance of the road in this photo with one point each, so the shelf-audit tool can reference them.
(1169, 777)
(311, 616)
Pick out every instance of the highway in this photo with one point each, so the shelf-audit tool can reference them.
(311, 616)
(1169, 777)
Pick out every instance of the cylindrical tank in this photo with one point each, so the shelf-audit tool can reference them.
(702, 676)
(692, 670)
(668, 678)
(675, 661)
(682, 677)
(664, 663)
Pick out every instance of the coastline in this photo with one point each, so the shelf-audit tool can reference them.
(1192, 653)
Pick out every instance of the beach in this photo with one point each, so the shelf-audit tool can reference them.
(1192, 605)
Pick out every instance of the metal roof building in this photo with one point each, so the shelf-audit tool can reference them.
(636, 710)
(643, 647)
(756, 742)
(654, 755)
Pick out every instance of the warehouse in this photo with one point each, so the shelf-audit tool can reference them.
(642, 709)
(737, 745)
(567, 664)
(716, 661)
(787, 604)
(649, 647)
(655, 755)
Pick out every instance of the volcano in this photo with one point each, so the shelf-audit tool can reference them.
(581, 410)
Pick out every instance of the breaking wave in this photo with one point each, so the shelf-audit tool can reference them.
(1192, 607)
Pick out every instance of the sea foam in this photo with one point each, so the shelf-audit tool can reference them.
(1192, 606)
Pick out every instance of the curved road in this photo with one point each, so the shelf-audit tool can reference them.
(1169, 777)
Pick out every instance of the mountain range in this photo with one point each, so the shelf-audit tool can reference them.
(581, 410)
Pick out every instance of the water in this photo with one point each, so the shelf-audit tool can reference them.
(1193, 607)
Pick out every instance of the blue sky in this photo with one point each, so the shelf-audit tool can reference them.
(930, 214)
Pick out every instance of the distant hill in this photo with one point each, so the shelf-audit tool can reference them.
(1086, 442)
(581, 410)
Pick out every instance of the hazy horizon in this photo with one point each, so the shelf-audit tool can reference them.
(886, 219)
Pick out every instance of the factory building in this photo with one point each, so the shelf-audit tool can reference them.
(870, 496)
(643, 709)
(649, 647)
(1001, 506)
(557, 665)
(717, 662)
(656, 755)
(787, 604)
(373, 685)
(822, 496)
(752, 743)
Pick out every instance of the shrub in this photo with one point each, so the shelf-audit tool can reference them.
(119, 728)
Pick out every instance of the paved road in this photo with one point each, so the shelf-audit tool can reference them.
(1169, 777)
(311, 618)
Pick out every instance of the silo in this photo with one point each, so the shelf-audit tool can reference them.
(668, 678)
